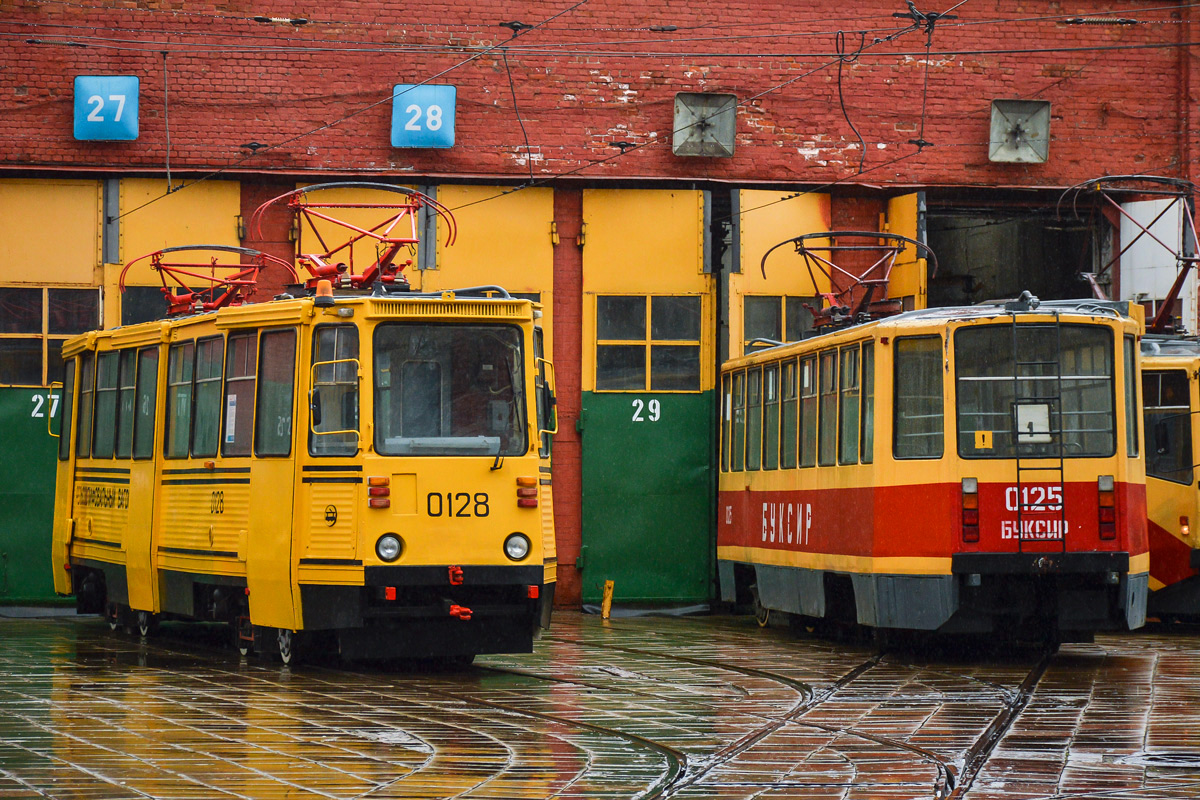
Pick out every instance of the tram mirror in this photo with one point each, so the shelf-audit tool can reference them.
(1162, 438)
(315, 405)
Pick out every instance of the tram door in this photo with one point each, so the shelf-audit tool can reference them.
(647, 399)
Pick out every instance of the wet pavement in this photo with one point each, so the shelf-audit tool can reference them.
(696, 707)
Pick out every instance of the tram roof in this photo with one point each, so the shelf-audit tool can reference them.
(1170, 345)
(991, 309)
(292, 310)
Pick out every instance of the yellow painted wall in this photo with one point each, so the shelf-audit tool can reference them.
(51, 231)
(644, 242)
(765, 220)
(503, 239)
(908, 273)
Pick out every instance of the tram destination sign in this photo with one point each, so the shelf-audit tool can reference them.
(423, 115)
(106, 108)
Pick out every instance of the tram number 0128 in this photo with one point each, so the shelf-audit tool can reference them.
(457, 504)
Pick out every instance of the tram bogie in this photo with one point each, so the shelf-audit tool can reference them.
(958, 470)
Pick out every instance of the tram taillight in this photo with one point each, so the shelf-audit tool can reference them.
(970, 509)
(378, 492)
(527, 492)
(1108, 506)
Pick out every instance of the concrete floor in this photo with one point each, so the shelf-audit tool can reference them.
(697, 707)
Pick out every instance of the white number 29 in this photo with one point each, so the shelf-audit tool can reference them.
(653, 409)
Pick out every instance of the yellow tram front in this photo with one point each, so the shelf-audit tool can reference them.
(364, 474)
(956, 470)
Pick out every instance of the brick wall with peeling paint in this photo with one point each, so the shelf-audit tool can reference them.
(597, 73)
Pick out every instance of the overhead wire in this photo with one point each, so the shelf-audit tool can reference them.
(344, 118)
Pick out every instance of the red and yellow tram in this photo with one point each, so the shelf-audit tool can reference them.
(966, 470)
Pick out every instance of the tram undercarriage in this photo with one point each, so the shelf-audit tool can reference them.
(1022, 596)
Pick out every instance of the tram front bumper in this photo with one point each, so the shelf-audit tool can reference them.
(1082, 591)
(1039, 563)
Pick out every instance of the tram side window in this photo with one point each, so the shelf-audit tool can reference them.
(849, 401)
(180, 361)
(68, 398)
(1131, 431)
(787, 425)
(771, 417)
(241, 361)
(808, 411)
(828, 426)
(333, 400)
(105, 421)
(738, 445)
(125, 398)
(206, 429)
(918, 424)
(276, 388)
(146, 402)
(726, 419)
(868, 402)
(547, 413)
(754, 419)
(1168, 425)
(83, 436)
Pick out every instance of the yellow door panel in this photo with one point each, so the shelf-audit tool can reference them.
(503, 239)
(51, 230)
(657, 235)
(908, 274)
(274, 596)
(647, 243)
(204, 213)
(765, 220)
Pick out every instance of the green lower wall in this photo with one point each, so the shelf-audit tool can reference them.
(27, 467)
(648, 497)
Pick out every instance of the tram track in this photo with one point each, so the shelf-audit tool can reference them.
(810, 699)
(675, 760)
(681, 770)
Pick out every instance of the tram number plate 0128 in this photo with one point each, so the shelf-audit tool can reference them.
(457, 504)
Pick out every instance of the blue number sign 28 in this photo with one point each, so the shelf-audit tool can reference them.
(423, 116)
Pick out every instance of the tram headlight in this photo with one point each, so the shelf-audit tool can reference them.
(388, 547)
(516, 546)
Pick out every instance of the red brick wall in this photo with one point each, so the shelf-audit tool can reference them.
(319, 94)
(269, 233)
(568, 355)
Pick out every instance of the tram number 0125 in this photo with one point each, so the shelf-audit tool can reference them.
(457, 504)
(1033, 498)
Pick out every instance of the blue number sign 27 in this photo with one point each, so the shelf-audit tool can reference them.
(423, 116)
(106, 108)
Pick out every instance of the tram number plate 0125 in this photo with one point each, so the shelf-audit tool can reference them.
(457, 504)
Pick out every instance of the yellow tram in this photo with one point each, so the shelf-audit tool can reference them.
(955, 470)
(1171, 398)
(363, 472)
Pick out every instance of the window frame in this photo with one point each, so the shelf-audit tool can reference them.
(649, 343)
(896, 364)
(49, 341)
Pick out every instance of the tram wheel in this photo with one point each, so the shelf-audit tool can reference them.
(112, 614)
(762, 614)
(286, 640)
(147, 623)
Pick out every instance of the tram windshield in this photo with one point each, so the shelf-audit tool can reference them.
(1022, 392)
(449, 390)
